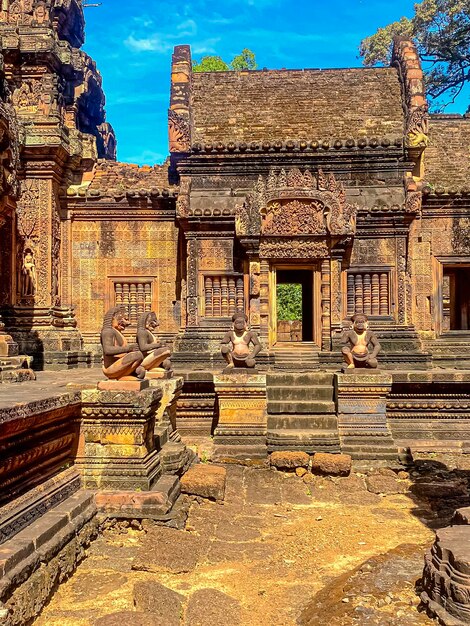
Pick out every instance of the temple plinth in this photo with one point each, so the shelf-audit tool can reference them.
(242, 428)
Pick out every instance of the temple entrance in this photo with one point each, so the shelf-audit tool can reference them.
(294, 307)
(456, 298)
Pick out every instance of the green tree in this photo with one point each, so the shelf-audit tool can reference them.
(289, 301)
(244, 61)
(441, 32)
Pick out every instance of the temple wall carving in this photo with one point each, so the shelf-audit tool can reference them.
(122, 262)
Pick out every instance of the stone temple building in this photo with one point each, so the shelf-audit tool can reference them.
(338, 180)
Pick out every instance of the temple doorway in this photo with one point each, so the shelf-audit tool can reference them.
(456, 298)
(294, 305)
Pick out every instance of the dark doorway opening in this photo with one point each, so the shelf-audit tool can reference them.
(456, 298)
(294, 301)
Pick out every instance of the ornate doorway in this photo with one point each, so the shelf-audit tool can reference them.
(294, 305)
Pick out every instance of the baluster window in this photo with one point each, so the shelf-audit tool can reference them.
(368, 292)
(134, 296)
(224, 295)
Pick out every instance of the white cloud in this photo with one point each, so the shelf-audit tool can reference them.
(154, 43)
(188, 28)
(146, 157)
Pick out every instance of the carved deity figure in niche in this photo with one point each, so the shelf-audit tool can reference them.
(236, 344)
(122, 361)
(156, 356)
(28, 274)
(360, 345)
(40, 14)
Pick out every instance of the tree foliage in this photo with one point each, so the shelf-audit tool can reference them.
(441, 31)
(246, 60)
(289, 301)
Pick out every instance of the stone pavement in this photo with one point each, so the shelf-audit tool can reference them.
(331, 551)
(49, 384)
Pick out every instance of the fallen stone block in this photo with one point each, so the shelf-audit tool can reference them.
(386, 485)
(331, 464)
(461, 516)
(206, 481)
(447, 489)
(289, 460)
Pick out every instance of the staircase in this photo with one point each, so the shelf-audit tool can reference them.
(450, 350)
(301, 412)
(296, 356)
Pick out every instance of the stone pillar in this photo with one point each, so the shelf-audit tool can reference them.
(325, 305)
(242, 427)
(362, 420)
(446, 577)
(116, 448)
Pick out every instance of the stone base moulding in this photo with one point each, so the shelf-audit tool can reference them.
(362, 419)
(242, 426)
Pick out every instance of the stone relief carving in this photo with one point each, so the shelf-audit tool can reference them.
(178, 132)
(296, 203)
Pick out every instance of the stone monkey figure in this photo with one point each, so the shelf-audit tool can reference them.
(360, 345)
(235, 346)
(121, 360)
(155, 354)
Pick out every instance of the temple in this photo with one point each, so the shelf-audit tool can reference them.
(337, 185)
(337, 181)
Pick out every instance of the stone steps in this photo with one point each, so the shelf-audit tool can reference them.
(307, 440)
(302, 422)
(285, 379)
(298, 393)
(302, 412)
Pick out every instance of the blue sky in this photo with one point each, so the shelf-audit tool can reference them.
(132, 43)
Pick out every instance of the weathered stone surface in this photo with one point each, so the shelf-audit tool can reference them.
(169, 550)
(446, 577)
(388, 485)
(301, 471)
(332, 464)
(162, 603)
(434, 489)
(371, 594)
(210, 606)
(129, 618)
(287, 460)
(207, 481)
(462, 516)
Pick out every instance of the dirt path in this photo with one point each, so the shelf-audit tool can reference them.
(259, 559)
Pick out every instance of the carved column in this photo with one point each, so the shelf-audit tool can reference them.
(264, 301)
(401, 279)
(325, 305)
(336, 292)
(191, 284)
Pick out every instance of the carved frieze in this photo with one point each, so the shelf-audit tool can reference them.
(290, 248)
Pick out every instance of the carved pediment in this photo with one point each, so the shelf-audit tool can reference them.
(293, 202)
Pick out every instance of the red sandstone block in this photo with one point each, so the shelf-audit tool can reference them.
(122, 385)
(289, 459)
(207, 481)
(331, 464)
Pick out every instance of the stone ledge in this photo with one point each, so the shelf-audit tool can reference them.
(44, 553)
